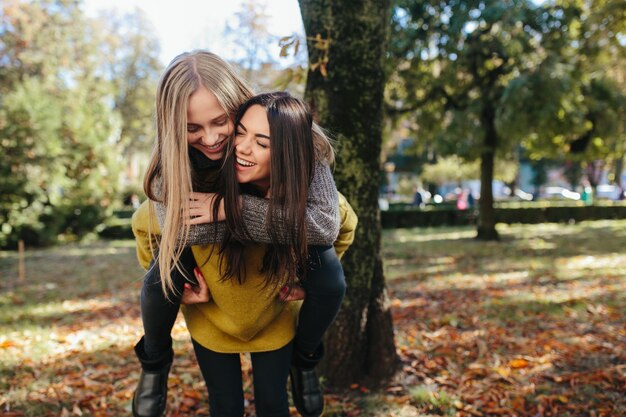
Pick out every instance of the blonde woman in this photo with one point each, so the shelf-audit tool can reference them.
(197, 98)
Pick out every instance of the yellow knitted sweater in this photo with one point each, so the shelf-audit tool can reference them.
(239, 317)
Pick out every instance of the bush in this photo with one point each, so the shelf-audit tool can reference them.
(39, 225)
(527, 215)
(117, 228)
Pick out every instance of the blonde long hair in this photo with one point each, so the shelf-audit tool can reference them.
(168, 178)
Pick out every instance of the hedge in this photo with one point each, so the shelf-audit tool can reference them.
(530, 215)
(119, 228)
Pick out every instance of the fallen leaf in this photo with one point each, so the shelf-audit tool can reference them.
(7, 344)
(518, 363)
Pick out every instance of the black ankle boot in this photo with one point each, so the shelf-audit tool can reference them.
(150, 396)
(305, 385)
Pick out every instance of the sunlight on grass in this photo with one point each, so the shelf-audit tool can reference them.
(434, 400)
(594, 262)
(38, 332)
(35, 312)
(405, 237)
(540, 244)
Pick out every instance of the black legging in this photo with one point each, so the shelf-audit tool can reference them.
(222, 375)
(158, 313)
(325, 288)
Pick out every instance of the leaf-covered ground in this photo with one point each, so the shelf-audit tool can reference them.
(531, 326)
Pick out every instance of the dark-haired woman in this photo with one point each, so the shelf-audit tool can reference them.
(274, 156)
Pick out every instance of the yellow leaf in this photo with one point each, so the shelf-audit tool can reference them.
(323, 70)
(505, 372)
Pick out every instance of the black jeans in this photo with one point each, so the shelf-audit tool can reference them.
(324, 284)
(222, 375)
(325, 287)
(157, 312)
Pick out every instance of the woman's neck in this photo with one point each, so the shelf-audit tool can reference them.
(264, 188)
(254, 189)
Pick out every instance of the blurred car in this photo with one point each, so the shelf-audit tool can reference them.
(523, 195)
(611, 192)
(560, 193)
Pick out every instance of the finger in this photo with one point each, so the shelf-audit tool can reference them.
(202, 196)
(202, 284)
(284, 293)
(192, 288)
(197, 220)
(293, 297)
(198, 274)
(199, 204)
(298, 292)
(295, 293)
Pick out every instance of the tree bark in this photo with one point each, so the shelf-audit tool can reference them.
(486, 229)
(348, 101)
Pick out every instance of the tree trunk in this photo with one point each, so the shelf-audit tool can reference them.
(593, 171)
(618, 167)
(348, 101)
(487, 214)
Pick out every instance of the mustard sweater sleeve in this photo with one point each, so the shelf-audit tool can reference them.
(146, 230)
(348, 221)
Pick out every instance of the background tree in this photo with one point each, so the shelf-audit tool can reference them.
(455, 60)
(132, 67)
(345, 90)
(250, 35)
(59, 124)
(455, 169)
(582, 113)
(254, 43)
(478, 75)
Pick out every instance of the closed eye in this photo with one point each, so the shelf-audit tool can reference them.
(221, 122)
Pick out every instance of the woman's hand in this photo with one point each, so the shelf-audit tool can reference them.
(293, 293)
(201, 208)
(195, 294)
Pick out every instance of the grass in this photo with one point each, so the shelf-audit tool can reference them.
(531, 325)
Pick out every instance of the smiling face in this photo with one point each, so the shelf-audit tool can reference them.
(252, 148)
(208, 125)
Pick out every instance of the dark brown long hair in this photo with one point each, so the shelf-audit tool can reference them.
(292, 159)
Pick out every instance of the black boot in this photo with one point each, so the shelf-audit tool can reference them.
(305, 385)
(150, 396)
